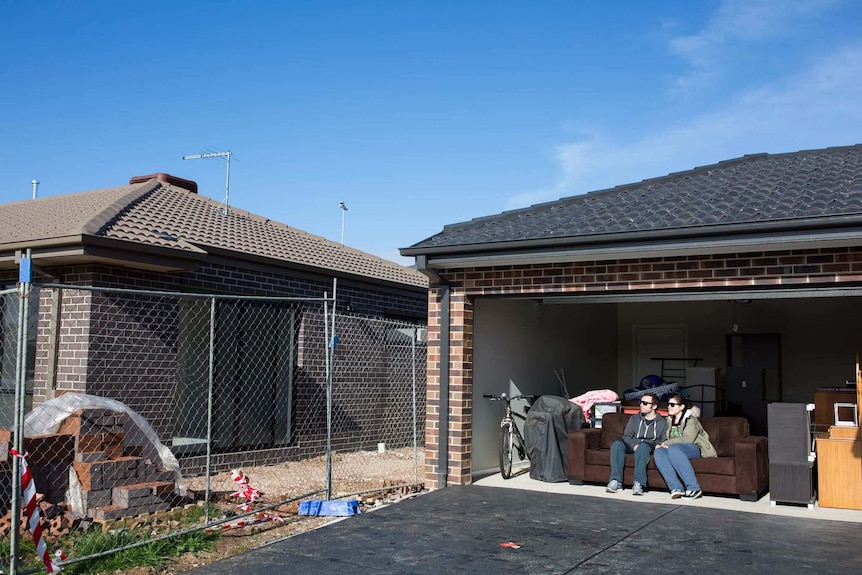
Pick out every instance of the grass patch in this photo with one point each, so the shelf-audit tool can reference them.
(153, 554)
(96, 540)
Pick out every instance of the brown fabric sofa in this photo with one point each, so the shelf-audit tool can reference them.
(741, 468)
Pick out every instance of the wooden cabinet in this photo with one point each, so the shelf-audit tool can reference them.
(839, 468)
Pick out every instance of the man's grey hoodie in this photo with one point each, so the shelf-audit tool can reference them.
(642, 430)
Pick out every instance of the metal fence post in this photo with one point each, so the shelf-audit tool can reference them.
(24, 287)
(415, 442)
(328, 397)
(330, 362)
(210, 410)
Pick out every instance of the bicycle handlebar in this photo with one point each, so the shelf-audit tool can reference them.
(504, 397)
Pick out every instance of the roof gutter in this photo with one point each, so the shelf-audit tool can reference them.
(434, 279)
(658, 247)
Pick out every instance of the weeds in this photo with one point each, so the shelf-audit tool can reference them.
(153, 554)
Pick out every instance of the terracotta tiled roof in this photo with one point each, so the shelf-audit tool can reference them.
(161, 214)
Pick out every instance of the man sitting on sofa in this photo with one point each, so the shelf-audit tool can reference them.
(642, 433)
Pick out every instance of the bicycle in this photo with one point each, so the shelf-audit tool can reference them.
(510, 436)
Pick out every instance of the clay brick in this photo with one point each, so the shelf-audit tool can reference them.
(71, 424)
(89, 442)
(93, 499)
(138, 494)
(110, 512)
(54, 448)
(113, 444)
(90, 457)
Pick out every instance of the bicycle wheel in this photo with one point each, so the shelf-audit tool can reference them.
(506, 451)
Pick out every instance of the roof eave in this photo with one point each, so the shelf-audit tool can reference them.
(659, 245)
(702, 231)
(78, 249)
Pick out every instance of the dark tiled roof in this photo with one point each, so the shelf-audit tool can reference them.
(164, 215)
(747, 190)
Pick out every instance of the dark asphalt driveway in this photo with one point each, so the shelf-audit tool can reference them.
(460, 529)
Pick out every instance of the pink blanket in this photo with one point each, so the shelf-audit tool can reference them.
(586, 400)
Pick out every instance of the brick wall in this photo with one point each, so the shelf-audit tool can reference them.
(815, 267)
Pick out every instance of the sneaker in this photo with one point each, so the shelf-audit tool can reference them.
(637, 489)
(614, 486)
(693, 493)
(675, 494)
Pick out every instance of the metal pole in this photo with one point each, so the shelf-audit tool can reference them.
(328, 399)
(332, 340)
(415, 441)
(210, 409)
(20, 394)
(227, 187)
(343, 207)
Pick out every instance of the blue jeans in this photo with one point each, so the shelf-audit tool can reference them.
(674, 461)
(619, 448)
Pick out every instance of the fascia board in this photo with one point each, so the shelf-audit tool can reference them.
(655, 249)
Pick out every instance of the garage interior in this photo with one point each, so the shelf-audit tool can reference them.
(799, 340)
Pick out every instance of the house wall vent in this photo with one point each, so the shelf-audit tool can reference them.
(168, 179)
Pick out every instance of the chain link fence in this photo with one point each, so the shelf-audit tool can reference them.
(145, 411)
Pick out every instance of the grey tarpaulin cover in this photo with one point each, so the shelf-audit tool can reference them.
(548, 422)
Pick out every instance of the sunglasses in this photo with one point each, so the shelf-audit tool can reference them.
(671, 404)
(647, 403)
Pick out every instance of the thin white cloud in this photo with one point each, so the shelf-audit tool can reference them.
(815, 108)
(734, 25)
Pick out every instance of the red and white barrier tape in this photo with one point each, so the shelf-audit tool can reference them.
(34, 521)
(245, 491)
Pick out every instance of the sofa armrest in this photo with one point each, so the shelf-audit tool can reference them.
(752, 466)
(578, 442)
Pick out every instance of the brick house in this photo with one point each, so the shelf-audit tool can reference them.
(750, 268)
(157, 233)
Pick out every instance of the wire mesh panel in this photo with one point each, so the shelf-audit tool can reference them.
(199, 409)
(378, 396)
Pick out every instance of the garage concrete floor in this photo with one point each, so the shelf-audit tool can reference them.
(566, 529)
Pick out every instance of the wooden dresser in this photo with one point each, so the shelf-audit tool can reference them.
(839, 468)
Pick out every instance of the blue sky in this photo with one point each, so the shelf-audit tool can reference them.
(415, 114)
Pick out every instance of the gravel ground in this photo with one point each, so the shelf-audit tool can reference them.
(351, 473)
(381, 478)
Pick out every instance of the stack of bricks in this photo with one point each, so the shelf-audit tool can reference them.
(116, 466)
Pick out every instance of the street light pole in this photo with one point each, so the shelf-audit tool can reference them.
(343, 211)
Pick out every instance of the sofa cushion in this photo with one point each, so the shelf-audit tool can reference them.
(613, 425)
(714, 465)
(724, 432)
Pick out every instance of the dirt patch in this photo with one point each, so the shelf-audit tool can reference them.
(378, 478)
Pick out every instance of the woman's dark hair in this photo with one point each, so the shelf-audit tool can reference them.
(677, 398)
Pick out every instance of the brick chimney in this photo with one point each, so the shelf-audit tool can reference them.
(168, 179)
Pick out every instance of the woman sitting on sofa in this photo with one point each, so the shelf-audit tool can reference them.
(686, 440)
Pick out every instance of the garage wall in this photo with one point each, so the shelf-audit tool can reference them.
(706, 323)
(819, 336)
(517, 347)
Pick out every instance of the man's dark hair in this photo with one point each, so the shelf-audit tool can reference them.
(653, 398)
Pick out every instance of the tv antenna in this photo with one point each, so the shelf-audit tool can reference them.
(226, 154)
